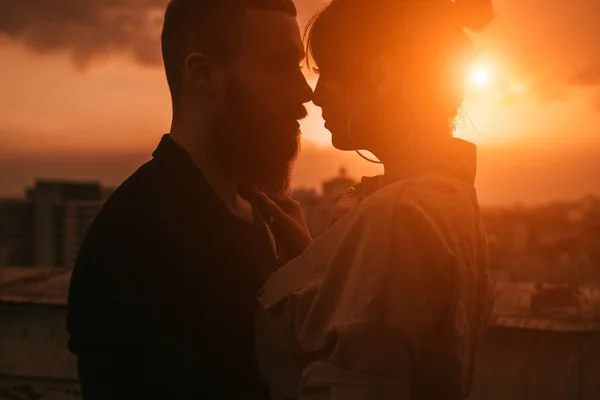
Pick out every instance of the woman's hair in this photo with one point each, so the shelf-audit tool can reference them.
(427, 38)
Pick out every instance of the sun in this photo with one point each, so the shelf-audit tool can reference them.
(479, 77)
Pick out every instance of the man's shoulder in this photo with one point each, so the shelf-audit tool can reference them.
(137, 194)
(148, 177)
(131, 206)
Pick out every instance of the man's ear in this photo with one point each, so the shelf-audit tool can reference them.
(383, 75)
(202, 73)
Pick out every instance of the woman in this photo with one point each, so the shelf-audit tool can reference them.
(392, 300)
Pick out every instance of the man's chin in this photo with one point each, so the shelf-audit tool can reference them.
(256, 151)
(271, 178)
(276, 185)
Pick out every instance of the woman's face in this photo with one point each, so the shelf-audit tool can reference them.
(338, 101)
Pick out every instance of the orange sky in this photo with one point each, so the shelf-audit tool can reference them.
(83, 96)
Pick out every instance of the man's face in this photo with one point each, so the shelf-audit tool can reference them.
(256, 134)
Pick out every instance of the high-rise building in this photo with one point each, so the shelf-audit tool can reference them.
(62, 212)
(4, 255)
(78, 216)
(48, 226)
(16, 232)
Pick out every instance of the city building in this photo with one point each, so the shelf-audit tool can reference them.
(543, 340)
(47, 227)
(552, 243)
(16, 232)
(318, 208)
(335, 187)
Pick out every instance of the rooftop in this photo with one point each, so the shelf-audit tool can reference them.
(547, 307)
(36, 285)
(518, 304)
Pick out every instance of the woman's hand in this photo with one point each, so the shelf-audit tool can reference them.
(288, 225)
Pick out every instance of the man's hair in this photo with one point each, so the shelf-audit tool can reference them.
(213, 27)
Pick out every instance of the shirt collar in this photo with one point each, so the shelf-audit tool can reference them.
(169, 152)
(181, 167)
(452, 156)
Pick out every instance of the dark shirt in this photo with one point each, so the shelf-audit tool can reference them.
(162, 296)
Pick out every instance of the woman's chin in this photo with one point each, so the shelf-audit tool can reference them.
(341, 143)
(339, 140)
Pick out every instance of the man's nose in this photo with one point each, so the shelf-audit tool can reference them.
(317, 98)
(305, 92)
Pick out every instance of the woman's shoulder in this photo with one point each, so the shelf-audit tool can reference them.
(423, 192)
(367, 203)
(353, 196)
(424, 205)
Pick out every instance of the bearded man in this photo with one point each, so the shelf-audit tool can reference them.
(162, 296)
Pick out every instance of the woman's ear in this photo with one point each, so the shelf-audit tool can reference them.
(383, 75)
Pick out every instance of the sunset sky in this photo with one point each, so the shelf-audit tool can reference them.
(83, 96)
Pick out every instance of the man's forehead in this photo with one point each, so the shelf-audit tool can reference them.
(269, 31)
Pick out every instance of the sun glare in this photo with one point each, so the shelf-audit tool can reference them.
(479, 77)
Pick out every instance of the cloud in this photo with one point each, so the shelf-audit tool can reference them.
(553, 44)
(85, 29)
(589, 76)
(92, 29)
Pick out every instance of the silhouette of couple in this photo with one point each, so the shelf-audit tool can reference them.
(199, 278)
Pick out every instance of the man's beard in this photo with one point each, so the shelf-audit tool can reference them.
(254, 147)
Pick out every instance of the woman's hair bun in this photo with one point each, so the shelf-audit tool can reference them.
(474, 15)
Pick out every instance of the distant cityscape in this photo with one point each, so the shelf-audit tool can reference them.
(47, 226)
(556, 243)
(545, 268)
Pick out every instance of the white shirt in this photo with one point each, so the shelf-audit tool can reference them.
(392, 300)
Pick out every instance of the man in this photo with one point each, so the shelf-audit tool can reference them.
(162, 297)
